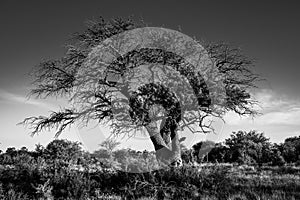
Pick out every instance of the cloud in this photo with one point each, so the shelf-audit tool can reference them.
(8, 97)
(287, 117)
(271, 101)
(276, 109)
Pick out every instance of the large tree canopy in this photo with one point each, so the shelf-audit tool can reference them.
(125, 93)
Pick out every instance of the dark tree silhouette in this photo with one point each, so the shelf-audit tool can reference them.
(65, 150)
(91, 91)
(291, 149)
(249, 147)
(202, 149)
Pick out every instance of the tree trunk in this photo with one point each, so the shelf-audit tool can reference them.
(166, 144)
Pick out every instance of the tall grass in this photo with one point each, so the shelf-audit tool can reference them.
(187, 182)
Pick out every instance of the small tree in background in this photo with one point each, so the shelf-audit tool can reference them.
(202, 149)
(106, 153)
(218, 154)
(249, 147)
(63, 153)
(290, 149)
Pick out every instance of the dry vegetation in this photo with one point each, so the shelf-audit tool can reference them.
(61, 170)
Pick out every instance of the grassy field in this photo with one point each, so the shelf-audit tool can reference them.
(207, 182)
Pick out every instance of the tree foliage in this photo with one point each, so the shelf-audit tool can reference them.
(63, 150)
(91, 91)
(251, 148)
(202, 149)
(291, 149)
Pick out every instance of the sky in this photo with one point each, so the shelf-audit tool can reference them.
(266, 31)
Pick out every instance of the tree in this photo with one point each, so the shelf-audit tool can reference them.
(17, 158)
(291, 149)
(84, 77)
(106, 153)
(276, 156)
(202, 149)
(63, 151)
(110, 145)
(187, 156)
(219, 153)
(249, 147)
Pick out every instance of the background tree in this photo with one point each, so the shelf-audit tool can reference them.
(106, 153)
(75, 70)
(187, 155)
(291, 149)
(249, 147)
(219, 153)
(201, 150)
(63, 152)
(14, 156)
(110, 145)
(276, 157)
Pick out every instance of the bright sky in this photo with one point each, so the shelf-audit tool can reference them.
(267, 31)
